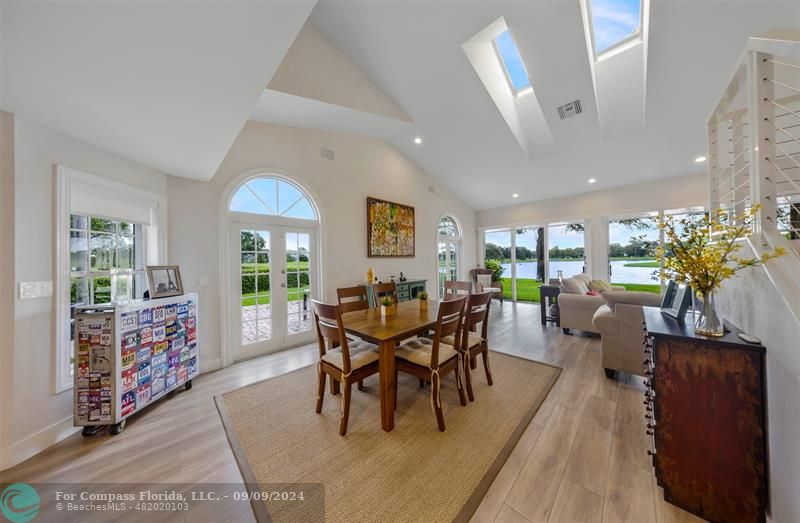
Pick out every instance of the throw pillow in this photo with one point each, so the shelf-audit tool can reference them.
(593, 293)
(574, 286)
(599, 285)
(484, 281)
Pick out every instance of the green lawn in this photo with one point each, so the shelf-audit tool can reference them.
(649, 264)
(250, 268)
(263, 298)
(528, 289)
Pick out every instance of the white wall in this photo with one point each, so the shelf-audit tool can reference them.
(675, 193)
(39, 417)
(6, 273)
(363, 167)
(752, 302)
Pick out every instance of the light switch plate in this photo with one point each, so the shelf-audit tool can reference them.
(35, 289)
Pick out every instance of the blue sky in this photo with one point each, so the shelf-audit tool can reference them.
(510, 55)
(614, 21)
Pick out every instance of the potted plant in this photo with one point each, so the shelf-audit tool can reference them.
(423, 300)
(388, 307)
(701, 252)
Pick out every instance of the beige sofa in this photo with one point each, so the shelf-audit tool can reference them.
(576, 308)
(619, 322)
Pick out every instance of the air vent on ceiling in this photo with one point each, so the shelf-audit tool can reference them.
(326, 153)
(569, 110)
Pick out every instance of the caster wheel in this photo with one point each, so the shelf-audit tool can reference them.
(119, 427)
(188, 385)
(91, 430)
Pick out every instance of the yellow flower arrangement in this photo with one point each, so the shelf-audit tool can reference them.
(702, 252)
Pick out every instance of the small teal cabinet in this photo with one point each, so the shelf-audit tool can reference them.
(406, 290)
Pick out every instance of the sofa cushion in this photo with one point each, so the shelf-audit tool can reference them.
(612, 298)
(574, 285)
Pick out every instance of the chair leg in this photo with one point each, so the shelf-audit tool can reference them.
(320, 391)
(486, 366)
(421, 383)
(437, 401)
(473, 363)
(468, 380)
(360, 384)
(461, 396)
(334, 387)
(345, 408)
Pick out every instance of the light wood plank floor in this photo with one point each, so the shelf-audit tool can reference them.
(582, 458)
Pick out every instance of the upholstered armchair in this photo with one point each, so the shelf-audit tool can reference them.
(483, 282)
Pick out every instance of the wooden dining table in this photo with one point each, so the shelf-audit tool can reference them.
(407, 321)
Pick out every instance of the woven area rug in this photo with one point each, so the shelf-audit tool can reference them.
(414, 473)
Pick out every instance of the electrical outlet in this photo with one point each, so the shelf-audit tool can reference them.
(35, 289)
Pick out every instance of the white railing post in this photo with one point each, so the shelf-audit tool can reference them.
(762, 139)
(713, 166)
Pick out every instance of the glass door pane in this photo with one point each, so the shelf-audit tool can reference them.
(298, 282)
(497, 253)
(566, 250)
(529, 262)
(631, 252)
(256, 324)
(442, 266)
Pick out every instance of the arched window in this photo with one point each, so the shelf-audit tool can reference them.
(274, 197)
(449, 249)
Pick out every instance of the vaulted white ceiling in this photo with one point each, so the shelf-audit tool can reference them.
(168, 84)
(412, 51)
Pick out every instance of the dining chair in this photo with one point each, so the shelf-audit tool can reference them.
(456, 288)
(345, 361)
(431, 359)
(473, 343)
(352, 298)
(380, 290)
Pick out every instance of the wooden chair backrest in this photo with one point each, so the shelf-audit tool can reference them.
(330, 331)
(477, 312)
(383, 289)
(457, 287)
(352, 298)
(448, 323)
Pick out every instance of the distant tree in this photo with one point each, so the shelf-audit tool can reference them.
(493, 252)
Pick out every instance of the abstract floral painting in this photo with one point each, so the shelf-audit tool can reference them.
(390, 229)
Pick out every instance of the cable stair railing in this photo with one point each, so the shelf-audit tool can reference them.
(754, 155)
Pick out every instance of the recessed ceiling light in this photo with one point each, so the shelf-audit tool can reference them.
(515, 195)
(700, 159)
(417, 140)
(592, 180)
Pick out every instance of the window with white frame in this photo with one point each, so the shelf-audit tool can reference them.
(107, 232)
(449, 251)
(106, 263)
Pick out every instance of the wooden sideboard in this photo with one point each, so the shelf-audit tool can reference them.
(706, 415)
(406, 290)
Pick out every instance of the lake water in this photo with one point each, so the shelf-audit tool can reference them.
(620, 273)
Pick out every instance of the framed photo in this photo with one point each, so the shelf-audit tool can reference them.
(390, 229)
(681, 297)
(164, 280)
(669, 295)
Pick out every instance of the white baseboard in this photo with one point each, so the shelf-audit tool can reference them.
(210, 365)
(35, 443)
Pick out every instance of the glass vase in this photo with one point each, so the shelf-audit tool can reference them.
(707, 320)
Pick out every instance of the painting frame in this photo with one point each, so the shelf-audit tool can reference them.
(403, 247)
(173, 275)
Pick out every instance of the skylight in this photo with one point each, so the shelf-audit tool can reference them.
(512, 62)
(614, 22)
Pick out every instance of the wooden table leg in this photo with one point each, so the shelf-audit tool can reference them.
(388, 385)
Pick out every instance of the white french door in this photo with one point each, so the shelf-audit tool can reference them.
(273, 279)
